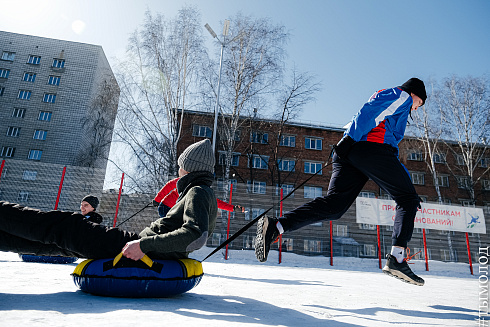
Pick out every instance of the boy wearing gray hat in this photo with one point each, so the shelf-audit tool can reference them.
(184, 229)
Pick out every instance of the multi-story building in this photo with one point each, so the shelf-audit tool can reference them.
(58, 102)
(261, 162)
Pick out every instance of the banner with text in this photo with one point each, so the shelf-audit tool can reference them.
(431, 216)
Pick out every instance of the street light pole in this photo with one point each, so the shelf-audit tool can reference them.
(226, 28)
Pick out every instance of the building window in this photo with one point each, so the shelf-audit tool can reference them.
(2, 89)
(259, 137)
(340, 231)
(253, 213)
(248, 242)
(485, 184)
(7, 151)
(313, 143)
(417, 178)
(54, 80)
(367, 226)
(369, 250)
(286, 164)
(4, 73)
(35, 154)
(286, 189)
(459, 160)
(8, 56)
(49, 97)
(415, 155)
(58, 63)
(312, 167)
(29, 77)
(40, 134)
(23, 196)
(34, 60)
(484, 162)
(314, 246)
(18, 113)
(13, 131)
(44, 115)
(365, 194)
(235, 159)
(463, 182)
(288, 140)
(222, 186)
(259, 162)
(312, 192)
(201, 131)
(223, 214)
(256, 187)
(29, 175)
(442, 181)
(439, 158)
(467, 203)
(24, 95)
(216, 239)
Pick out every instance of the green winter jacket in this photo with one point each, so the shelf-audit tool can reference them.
(189, 222)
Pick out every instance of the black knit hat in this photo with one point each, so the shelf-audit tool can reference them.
(415, 86)
(92, 200)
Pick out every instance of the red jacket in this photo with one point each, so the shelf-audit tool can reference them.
(169, 195)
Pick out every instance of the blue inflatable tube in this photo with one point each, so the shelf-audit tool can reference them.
(128, 278)
(47, 259)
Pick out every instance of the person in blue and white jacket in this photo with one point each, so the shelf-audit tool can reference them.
(368, 150)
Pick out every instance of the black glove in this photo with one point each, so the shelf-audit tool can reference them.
(344, 146)
(156, 203)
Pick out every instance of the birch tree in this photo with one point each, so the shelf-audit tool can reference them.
(252, 66)
(162, 65)
(464, 103)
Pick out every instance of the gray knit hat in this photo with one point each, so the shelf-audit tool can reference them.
(197, 157)
(92, 200)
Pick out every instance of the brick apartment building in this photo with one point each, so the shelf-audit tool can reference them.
(259, 166)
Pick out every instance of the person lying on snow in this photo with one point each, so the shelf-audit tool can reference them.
(184, 229)
(168, 195)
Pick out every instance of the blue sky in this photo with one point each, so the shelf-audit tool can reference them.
(354, 47)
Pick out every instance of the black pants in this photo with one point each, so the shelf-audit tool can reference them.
(366, 160)
(30, 231)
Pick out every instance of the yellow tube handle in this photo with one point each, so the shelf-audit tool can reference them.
(146, 259)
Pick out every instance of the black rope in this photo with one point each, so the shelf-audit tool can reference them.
(146, 206)
(247, 226)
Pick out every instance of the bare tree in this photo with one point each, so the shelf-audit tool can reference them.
(99, 123)
(427, 127)
(252, 65)
(162, 65)
(464, 104)
(292, 98)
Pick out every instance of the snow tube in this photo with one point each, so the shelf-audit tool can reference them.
(47, 259)
(122, 277)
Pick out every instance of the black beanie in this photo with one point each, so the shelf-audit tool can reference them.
(92, 200)
(415, 86)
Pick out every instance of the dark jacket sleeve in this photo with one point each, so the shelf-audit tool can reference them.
(94, 217)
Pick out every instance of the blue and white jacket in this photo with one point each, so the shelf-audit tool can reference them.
(383, 118)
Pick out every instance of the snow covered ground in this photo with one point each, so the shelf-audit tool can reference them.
(301, 291)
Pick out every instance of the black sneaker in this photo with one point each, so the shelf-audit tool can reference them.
(266, 235)
(401, 271)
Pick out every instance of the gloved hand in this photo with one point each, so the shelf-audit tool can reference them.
(344, 146)
(156, 203)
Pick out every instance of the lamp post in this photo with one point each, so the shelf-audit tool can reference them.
(226, 29)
